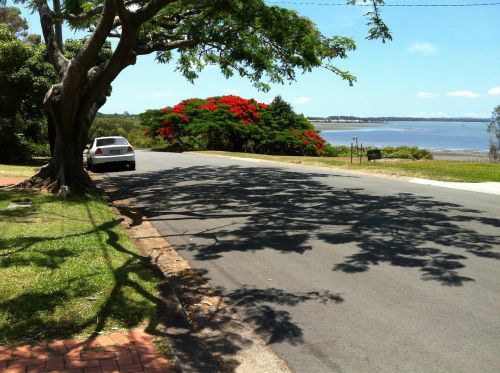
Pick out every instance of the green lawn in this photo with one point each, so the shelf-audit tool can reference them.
(17, 171)
(473, 172)
(67, 268)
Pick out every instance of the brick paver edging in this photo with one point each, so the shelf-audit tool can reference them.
(9, 181)
(131, 352)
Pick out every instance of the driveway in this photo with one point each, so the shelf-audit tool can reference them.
(337, 272)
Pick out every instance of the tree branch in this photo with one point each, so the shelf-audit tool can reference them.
(163, 44)
(100, 79)
(84, 59)
(123, 13)
(56, 57)
(80, 17)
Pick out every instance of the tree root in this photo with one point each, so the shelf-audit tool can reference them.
(46, 180)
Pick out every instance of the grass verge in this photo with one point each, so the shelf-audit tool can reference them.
(68, 269)
(17, 171)
(471, 172)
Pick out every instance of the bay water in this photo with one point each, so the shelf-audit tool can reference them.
(452, 136)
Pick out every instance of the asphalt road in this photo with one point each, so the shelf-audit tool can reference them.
(338, 272)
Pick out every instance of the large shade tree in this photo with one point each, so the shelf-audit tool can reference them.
(11, 17)
(247, 37)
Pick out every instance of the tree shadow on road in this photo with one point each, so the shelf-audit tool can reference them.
(249, 209)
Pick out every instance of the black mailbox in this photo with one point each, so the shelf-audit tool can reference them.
(374, 154)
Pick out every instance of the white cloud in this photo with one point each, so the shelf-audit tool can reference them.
(423, 48)
(303, 100)
(466, 94)
(495, 91)
(427, 95)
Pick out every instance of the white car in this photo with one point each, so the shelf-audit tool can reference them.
(110, 150)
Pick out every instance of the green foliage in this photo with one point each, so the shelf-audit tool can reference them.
(248, 38)
(73, 46)
(494, 132)
(39, 150)
(405, 152)
(25, 76)
(12, 147)
(378, 29)
(120, 125)
(283, 116)
(234, 124)
(400, 152)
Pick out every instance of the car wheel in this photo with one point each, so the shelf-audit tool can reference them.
(90, 165)
(132, 165)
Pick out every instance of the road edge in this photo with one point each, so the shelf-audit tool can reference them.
(489, 187)
(231, 343)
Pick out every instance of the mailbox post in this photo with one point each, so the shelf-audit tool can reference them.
(374, 154)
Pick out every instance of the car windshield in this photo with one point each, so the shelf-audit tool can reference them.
(111, 141)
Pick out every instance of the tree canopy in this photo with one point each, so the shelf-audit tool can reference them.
(11, 17)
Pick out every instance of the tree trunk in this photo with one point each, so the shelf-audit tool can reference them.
(65, 173)
(51, 132)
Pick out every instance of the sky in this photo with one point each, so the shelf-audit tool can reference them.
(442, 62)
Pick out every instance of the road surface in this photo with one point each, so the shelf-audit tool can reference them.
(338, 272)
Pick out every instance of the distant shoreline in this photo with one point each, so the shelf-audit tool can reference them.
(340, 119)
(344, 126)
(439, 154)
(460, 155)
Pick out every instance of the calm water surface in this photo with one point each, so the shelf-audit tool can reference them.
(430, 135)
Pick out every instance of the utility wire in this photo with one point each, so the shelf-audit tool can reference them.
(386, 5)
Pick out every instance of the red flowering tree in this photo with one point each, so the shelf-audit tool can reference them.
(236, 124)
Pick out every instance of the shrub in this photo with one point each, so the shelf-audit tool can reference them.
(13, 149)
(406, 152)
(39, 150)
(402, 152)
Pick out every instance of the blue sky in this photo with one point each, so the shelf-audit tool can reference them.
(443, 61)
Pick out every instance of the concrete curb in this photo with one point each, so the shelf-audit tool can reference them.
(203, 321)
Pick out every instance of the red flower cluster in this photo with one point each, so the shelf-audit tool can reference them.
(209, 106)
(178, 109)
(312, 137)
(166, 131)
(245, 110)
